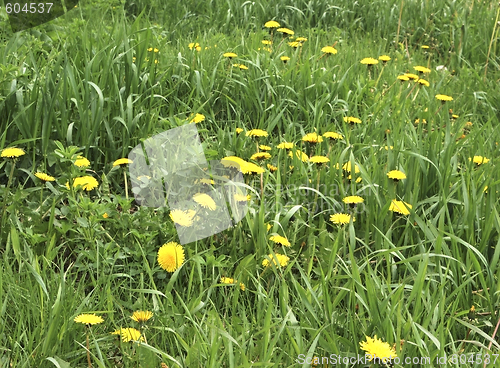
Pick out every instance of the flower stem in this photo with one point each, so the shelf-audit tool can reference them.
(126, 185)
(88, 351)
(6, 192)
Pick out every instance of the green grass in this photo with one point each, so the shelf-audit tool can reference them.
(86, 84)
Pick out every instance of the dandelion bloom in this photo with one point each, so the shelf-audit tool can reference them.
(347, 167)
(227, 280)
(478, 160)
(403, 78)
(272, 24)
(301, 155)
(358, 180)
(182, 218)
(352, 200)
(12, 152)
(272, 168)
(44, 177)
(257, 133)
(239, 130)
(122, 161)
(312, 138)
(423, 82)
(417, 121)
(444, 98)
(396, 175)
(412, 76)
(241, 197)
(82, 162)
(277, 258)
(319, 160)
(241, 66)
(260, 156)
(301, 39)
(329, 50)
(88, 319)
(205, 201)
(171, 256)
(341, 218)
(400, 207)
(86, 182)
(278, 239)
(195, 46)
(285, 145)
(267, 42)
(384, 58)
(369, 61)
(333, 135)
(352, 120)
(294, 44)
(250, 168)
(375, 348)
(284, 58)
(422, 69)
(229, 55)
(198, 118)
(141, 316)
(286, 31)
(105, 215)
(128, 334)
(424, 47)
(264, 148)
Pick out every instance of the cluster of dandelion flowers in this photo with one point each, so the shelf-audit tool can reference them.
(195, 45)
(376, 348)
(171, 256)
(86, 182)
(122, 162)
(205, 201)
(182, 218)
(341, 218)
(256, 133)
(400, 207)
(329, 50)
(128, 334)
(352, 120)
(82, 162)
(444, 98)
(312, 138)
(44, 177)
(276, 259)
(369, 61)
(198, 118)
(12, 152)
(88, 319)
(479, 160)
(141, 316)
(396, 175)
(278, 239)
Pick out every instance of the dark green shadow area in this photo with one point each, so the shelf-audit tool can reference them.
(25, 14)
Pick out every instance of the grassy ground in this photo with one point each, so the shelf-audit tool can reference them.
(109, 75)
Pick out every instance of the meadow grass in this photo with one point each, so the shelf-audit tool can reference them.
(108, 75)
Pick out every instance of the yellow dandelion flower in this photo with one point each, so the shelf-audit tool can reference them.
(241, 197)
(276, 259)
(333, 135)
(352, 120)
(403, 78)
(82, 162)
(294, 44)
(352, 200)
(171, 256)
(260, 156)
(264, 148)
(424, 47)
(341, 218)
(229, 55)
(286, 31)
(444, 98)
(278, 239)
(227, 280)
(272, 24)
(256, 133)
(182, 218)
(301, 155)
(369, 61)
(285, 145)
(284, 58)
(12, 152)
(239, 130)
(272, 168)
(312, 138)
(88, 319)
(267, 42)
(422, 69)
(44, 177)
(198, 118)
(347, 167)
(128, 334)
(205, 201)
(384, 58)
(479, 160)
(122, 161)
(329, 50)
(85, 182)
(396, 175)
(319, 160)
(375, 348)
(423, 82)
(301, 39)
(141, 316)
(400, 207)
